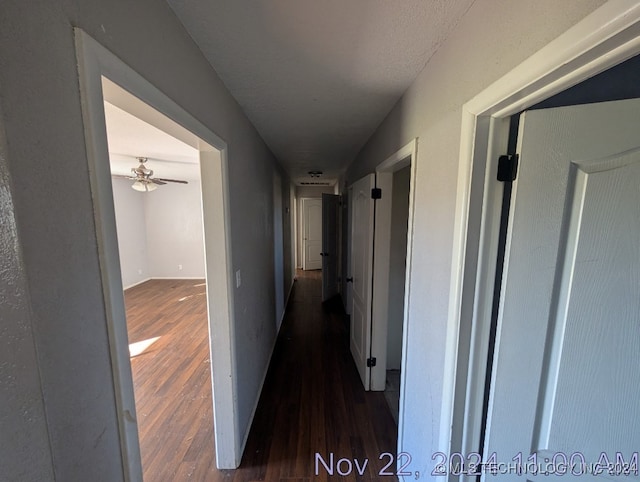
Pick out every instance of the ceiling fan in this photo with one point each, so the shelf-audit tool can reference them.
(143, 180)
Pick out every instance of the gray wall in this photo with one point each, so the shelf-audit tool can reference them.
(53, 209)
(132, 232)
(159, 231)
(25, 453)
(493, 37)
(313, 191)
(288, 191)
(55, 226)
(397, 265)
(173, 218)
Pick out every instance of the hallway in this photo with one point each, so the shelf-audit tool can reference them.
(313, 401)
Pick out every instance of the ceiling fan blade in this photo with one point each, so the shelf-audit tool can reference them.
(120, 176)
(171, 180)
(157, 181)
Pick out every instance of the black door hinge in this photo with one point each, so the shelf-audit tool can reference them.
(507, 168)
(371, 362)
(376, 193)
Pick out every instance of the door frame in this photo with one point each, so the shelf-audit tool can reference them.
(95, 62)
(606, 37)
(404, 157)
(334, 257)
(366, 279)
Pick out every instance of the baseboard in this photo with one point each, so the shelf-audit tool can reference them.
(136, 284)
(286, 303)
(162, 277)
(264, 375)
(178, 277)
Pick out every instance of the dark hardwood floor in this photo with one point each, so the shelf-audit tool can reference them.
(312, 402)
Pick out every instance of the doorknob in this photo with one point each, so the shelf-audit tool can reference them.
(349, 280)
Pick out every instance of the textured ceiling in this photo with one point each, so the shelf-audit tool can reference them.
(316, 77)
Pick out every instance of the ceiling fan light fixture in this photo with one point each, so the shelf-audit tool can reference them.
(142, 186)
(143, 180)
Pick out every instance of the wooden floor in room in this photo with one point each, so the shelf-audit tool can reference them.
(312, 401)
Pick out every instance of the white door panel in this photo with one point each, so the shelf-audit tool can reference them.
(312, 233)
(598, 321)
(361, 272)
(566, 377)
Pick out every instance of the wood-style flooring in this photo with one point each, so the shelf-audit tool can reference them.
(172, 380)
(312, 401)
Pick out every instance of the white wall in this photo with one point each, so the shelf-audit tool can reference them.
(42, 111)
(132, 232)
(397, 265)
(175, 240)
(492, 38)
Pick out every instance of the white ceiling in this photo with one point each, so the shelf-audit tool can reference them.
(129, 137)
(316, 77)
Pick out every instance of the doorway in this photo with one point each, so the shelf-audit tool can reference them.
(311, 234)
(161, 249)
(381, 218)
(397, 281)
(104, 77)
(330, 246)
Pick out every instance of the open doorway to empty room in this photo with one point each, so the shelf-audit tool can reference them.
(158, 209)
(397, 270)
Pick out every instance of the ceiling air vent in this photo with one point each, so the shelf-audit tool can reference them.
(315, 183)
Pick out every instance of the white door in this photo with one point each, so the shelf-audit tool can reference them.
(330, 247)
(361, 273)
(312, 234)
(566, 376)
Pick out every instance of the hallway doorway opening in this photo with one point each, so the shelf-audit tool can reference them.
(397, 281)
(161, 248)
(381, 227)
(395, 178)
(103, 77)
(311, 233)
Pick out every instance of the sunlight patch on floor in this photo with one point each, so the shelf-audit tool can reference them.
(139, 347)
(190, 296)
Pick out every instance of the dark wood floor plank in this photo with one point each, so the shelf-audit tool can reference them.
(312, 401)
